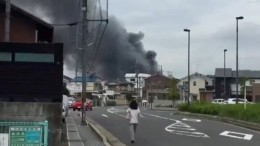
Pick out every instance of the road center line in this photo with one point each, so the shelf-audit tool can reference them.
(103, 115)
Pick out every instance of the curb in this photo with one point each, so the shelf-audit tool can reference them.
(107, 138)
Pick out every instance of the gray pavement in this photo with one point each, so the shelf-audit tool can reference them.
(167, 129)
(78, 134)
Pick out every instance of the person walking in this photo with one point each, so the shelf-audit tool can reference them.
(133, 113)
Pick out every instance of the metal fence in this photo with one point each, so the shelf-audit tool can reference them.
(24, 133)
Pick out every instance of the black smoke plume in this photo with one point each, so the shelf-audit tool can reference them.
(120, 51)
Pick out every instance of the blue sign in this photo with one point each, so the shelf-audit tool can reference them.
(25, 135)
(183, 87)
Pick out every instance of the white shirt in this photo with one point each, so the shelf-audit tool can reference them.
(134, 115)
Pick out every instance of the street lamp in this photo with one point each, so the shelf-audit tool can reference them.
(225, 73)
(237, 18)
(187, 30)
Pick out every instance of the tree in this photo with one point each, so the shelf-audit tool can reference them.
(66, 91)
(173, 91)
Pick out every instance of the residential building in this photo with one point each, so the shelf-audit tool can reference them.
(138, 80)
(198, 83)
(93, 84)
(252, 77)
(119, 89)
(157, 86)
(25, 27)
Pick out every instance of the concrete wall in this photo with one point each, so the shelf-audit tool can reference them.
(35, 112)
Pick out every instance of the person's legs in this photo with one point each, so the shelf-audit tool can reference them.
(135, 127)
(132, 133)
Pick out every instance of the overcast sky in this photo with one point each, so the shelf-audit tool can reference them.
(212, 24)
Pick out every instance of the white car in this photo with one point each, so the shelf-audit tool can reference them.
(71, 100)
(240, 101)
(64, 113)
(219, 101)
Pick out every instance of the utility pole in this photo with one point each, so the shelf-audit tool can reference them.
(137, 78)
(7, 20)
(84, 47)
(76, 51)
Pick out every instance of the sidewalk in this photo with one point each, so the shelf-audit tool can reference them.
(81, 135)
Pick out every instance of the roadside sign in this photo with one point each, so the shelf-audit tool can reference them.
(25, 136)
(3, 139)
(183, 87)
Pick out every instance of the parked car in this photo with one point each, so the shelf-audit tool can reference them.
(219, 101)
(64, 113)
(78, 105)
(71, 100)
(240, 101)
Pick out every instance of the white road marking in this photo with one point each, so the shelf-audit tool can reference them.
(237, 135)
(180, 128)
(103, 115)
(119, 111)
(191, 120)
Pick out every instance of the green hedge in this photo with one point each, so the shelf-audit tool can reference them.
(252, 112)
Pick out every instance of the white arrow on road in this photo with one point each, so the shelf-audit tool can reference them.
(191, 120)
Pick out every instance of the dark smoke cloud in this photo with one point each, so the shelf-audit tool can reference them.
(120, 52)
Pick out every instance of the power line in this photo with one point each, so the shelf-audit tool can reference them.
(93, 59)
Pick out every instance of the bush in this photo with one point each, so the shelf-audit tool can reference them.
(252, 113)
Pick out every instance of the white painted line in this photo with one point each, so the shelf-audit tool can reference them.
(180, 128)
(103, 115)
(191, 120)
(184, 130)
(237, 135)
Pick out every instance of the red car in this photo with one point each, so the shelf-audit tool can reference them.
(78, 105)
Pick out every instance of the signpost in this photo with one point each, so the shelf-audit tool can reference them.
(25, 136)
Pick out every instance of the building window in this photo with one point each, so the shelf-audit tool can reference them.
(132, 79)
(194, 83)
(34, 57)
(5, 57)
(185, 82)
(206, 83)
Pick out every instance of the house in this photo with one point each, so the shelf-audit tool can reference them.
(198, 83)
(138, 80)
(93, 84)
(157, 86)
(25, 27)
(119, 89)
(252, 87)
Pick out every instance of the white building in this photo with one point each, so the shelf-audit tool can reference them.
(93, 84)
(197, 82)
(138, 80)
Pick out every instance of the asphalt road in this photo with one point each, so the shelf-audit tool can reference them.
(164, 128)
